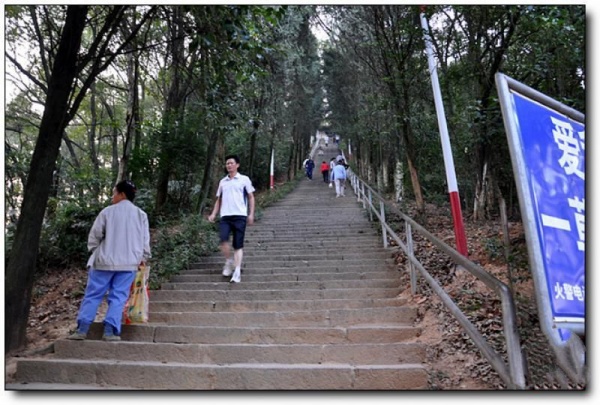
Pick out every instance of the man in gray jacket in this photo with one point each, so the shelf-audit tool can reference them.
(119, 241)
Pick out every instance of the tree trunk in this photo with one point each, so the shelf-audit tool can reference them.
(295, 159)
(480, 193)
(114, 137)
(410, 152)
(132, 121)
(92, 140)
(253, 141)
(20, 269)
(173, 108)
(208, 171)
(399, 181)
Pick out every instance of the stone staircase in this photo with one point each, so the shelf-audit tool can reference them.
(317, 309)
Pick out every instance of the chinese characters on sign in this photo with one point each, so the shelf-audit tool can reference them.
(554, 154)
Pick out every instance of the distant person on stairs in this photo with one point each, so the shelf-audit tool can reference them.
(331, 166)
(119, 241)
(339, 176)
(309, 165)
(325, 171)
(235, 204)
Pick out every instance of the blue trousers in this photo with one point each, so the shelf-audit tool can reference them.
(118, 284)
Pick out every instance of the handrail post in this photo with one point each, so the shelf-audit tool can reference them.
(411, 253)
(370, 206)
(364, 195)
(383, 229)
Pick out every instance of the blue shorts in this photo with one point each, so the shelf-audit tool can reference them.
(233, 224)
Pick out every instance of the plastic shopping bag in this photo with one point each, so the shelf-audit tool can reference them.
(136, 307)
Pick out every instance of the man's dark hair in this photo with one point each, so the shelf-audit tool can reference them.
(234, 157)
(127, 187)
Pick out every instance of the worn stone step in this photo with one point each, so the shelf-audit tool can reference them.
(270, 305)
(339, 219)
(301, 263)
(296, 242)
(299, 230)
(237, 292)
(333, 225)
(341, 353)
(186, 277)
(333, 317)
(312, 245)
(288, 259)
(324, 231)
(183, 334)
(281, 285)
(338, 236)
(314, 250)
(240, 376)
(333, 252)
(304, 268)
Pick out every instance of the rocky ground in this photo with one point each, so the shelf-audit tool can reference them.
(456, 362)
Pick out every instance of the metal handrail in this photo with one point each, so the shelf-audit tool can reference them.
(513, 374)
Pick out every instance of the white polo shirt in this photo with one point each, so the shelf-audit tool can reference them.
(231, 191)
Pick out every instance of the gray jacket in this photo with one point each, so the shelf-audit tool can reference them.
(119, 238)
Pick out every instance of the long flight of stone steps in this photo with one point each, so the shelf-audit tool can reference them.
(317, 309)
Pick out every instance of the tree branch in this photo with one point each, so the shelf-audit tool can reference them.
(40, 38)
(26, 73)
(97, 67)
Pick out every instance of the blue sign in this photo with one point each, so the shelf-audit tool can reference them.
(554, 155)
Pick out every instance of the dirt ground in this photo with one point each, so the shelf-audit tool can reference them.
(456, 363)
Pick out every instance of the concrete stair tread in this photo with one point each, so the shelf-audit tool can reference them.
(149, 375)
(232, 353)
(228, 365)
(269, 305)
(280, 285)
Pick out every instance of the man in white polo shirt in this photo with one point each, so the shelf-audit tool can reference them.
(235, 204)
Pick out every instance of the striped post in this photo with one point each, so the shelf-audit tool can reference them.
(272, 171)
(459, 230)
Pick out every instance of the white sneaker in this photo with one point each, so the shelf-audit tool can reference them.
(228, 268)
(237, 276)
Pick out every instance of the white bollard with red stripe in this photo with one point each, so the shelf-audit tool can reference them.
(459, 230)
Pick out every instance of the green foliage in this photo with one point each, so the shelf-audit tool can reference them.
(494, 248)
(177, 243)
(268, 197)
(145, 198)
(142, 163)
(64, 236)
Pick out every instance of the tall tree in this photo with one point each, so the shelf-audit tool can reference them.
(177, 93)
(21, 265)
(133, 118)
(63, 98)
